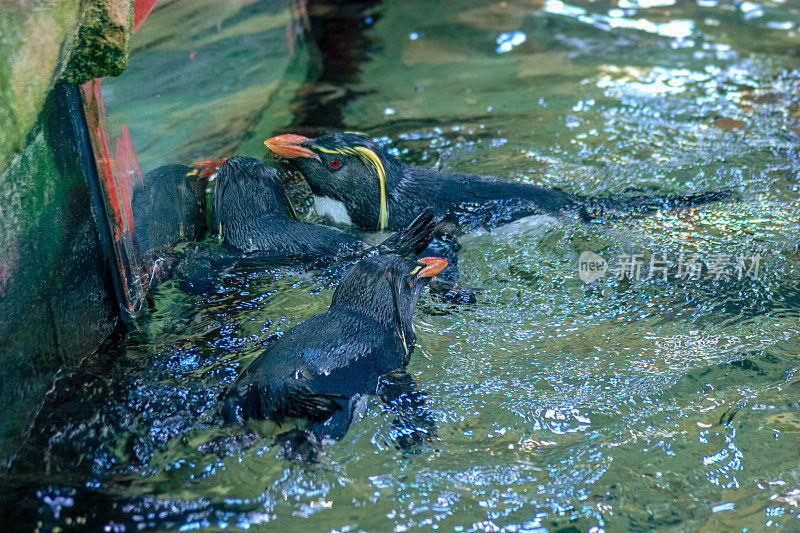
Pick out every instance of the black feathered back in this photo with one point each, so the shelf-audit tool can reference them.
(246, 189)
(467, 201)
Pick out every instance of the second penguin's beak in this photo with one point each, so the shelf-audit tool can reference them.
(434, 265)
(208, 167)
(290, 145)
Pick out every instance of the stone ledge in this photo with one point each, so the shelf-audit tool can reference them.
(42, 43)
(103, 43)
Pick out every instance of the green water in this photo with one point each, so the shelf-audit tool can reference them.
(619, 405)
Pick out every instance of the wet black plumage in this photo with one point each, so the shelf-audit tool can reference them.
(318, 370)
(254, 215)
(167, 207)
(337, 167)
(255, 218)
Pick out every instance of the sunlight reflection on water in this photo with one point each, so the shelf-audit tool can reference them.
(618, 405)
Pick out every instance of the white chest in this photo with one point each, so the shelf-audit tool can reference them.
(332, 209)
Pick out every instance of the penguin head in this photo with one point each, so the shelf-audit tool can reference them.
(387, 288)
(247, 188)
(346, 167)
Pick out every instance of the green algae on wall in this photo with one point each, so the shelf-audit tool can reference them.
(104, 41)
(55, 302)
(35, 43)
(45, 42)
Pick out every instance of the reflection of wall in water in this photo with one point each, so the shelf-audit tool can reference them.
(204, 77)
(207, 79)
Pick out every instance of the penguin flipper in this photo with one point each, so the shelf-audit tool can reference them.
(295, 400)
(639, 206)
(302, 402)
(454, 293)
(412, 240)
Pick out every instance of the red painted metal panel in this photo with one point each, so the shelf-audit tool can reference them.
(141, 9)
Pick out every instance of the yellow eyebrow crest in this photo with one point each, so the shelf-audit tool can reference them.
(371, 159)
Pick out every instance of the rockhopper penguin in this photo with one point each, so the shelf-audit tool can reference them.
(253, 215)
(314, 376)
(356, 182)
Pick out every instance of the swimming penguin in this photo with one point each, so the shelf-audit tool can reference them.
(356, 182)
(314, 376)
(253, 214)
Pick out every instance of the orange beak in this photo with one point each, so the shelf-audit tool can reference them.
(290, 145)
(208, 167)
(434, 266)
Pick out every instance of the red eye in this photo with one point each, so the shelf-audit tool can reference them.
(335, 163)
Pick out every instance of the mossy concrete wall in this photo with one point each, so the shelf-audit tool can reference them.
(45, 42)
(56, 303)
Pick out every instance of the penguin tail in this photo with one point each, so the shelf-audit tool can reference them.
(641, 206)
(291, 401)
(302, 402)
(412, 240)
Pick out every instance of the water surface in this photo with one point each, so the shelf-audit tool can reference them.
(620, 405)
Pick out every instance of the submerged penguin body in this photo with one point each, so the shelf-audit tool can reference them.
(253, 213)
(256, 220)
(316, 373)
(379, 192)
